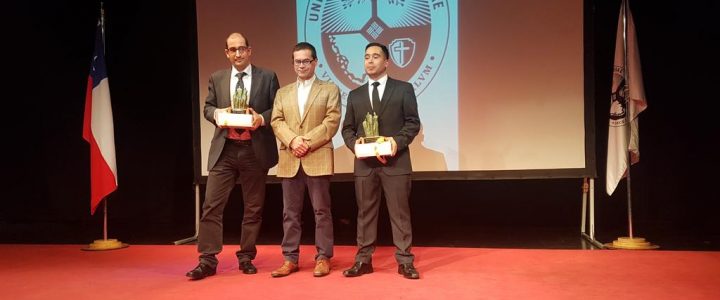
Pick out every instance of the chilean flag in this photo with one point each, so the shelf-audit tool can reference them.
(98, 128)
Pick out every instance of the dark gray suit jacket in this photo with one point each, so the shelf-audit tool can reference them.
(262, 96)
(397, 118)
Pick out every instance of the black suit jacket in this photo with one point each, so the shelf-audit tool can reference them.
(397, 118)
(262, 96)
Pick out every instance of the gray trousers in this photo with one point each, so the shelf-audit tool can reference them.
(293, 199)
(368, 195)
(235, 162)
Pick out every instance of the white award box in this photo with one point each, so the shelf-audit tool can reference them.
(373, 149)
(234, 120)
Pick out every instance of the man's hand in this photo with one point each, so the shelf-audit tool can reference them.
(215, 115)
(257, 119)
(393, 145)
(360, 140)
(300, 146)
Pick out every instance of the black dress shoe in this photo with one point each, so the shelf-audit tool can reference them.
(247, 267)
(200, 272)
(408, 271)
(358, 269)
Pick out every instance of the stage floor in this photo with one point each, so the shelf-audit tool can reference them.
(157, 272)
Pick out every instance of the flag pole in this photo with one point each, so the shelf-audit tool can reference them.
(105, 243)
(628, 117)
(105, 206)
(105, 220)
(630, 242)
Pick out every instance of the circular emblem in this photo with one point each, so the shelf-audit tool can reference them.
(416, 33)
(618, 105)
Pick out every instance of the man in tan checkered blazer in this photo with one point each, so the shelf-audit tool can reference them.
(305, 117)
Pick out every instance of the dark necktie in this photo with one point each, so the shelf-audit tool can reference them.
(234, 133)
(375, 97)
(240, 84)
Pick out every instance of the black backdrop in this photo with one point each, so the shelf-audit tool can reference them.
(151, 65)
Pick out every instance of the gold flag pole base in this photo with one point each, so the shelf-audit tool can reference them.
(109, 244)
(634, 243)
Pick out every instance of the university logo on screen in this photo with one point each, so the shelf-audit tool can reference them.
(415, 31)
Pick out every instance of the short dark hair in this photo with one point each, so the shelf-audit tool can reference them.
(305, 46)
(383, 47)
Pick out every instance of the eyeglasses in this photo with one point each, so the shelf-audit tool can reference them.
(240, 49)
(304, 62)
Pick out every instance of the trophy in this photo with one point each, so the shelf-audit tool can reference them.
(239, 103)
(239, 116)
(372, 144)
(370, 127)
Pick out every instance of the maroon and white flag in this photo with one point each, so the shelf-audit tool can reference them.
(628, 97)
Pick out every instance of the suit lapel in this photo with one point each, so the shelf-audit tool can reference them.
(225, 89)
(293, 110)
(254, 85)
(365, 101)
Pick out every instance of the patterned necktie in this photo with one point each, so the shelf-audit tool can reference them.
(375, 97)
(240, 84)
(233, 133)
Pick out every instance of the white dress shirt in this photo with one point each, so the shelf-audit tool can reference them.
(303, 91)
(380, 88)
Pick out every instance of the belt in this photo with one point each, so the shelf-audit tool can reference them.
(240, 142)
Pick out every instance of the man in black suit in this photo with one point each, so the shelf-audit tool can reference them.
(396, 107)
(245, 154)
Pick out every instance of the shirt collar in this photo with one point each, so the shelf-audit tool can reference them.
(247, 70)
(305, 83)
(382, 80)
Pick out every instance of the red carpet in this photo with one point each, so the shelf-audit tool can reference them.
(157, 272)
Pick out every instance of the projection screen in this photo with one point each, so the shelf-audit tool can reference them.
(500, 84)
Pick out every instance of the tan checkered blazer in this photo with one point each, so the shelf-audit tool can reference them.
(320, 122)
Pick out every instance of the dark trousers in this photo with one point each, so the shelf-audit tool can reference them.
(236, 162)
(368, 195)
(293, 199)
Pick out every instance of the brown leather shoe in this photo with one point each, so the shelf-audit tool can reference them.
(322, 268)
(285, 270)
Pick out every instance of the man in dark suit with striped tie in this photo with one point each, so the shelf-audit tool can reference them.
(243, 155)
